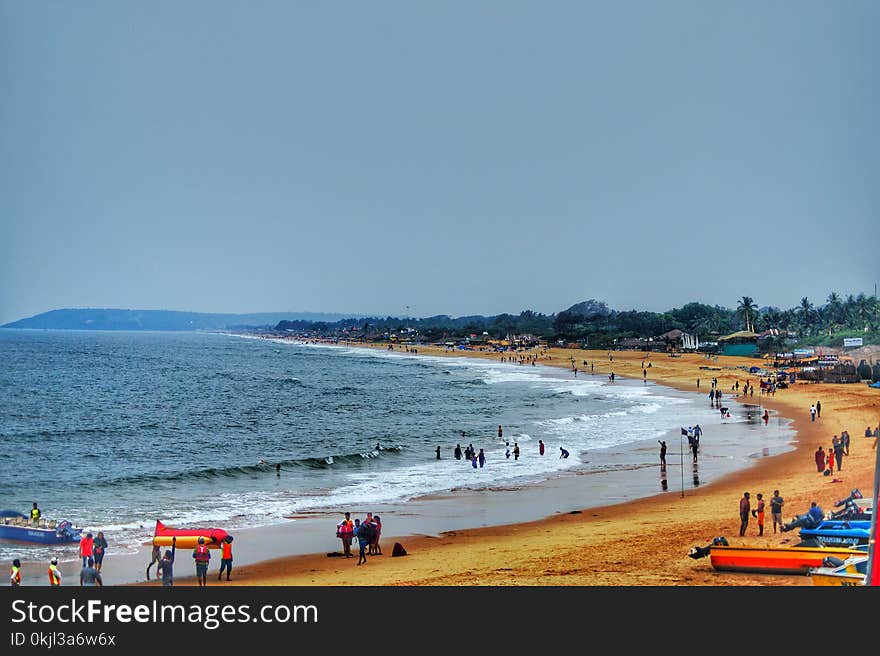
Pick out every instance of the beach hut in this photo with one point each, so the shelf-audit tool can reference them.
(742, 342)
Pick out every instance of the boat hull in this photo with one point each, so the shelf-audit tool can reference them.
(38, 535)
(774, 560)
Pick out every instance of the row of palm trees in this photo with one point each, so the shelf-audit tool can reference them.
(856, 312)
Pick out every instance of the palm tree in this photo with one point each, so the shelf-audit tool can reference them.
(806, 309)
(747, 308)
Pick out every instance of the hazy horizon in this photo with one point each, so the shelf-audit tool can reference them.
(463, 158)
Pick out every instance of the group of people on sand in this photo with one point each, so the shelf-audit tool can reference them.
(367, 533)
(91, 549)
(201, 555)
(776, 502)
(827, 460)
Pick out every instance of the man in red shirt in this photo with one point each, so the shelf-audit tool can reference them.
(86, 548)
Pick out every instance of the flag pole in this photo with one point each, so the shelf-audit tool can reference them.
(681, 454)
(873, 575)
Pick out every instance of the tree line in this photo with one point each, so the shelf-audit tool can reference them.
(594, 323)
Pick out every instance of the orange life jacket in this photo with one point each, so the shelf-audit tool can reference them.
(201, 554)
(346, 527)
(227, 551)
(54, 576)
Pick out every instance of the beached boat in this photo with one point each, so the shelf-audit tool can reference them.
(839, 533)
(851, 572)
(775, 560)
(187, 538)
(16, 526)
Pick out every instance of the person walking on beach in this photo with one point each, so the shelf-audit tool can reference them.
(99, 547)
(89, 576)
(695, 446)
(541, 447)
(482, 458)
(54, 573)
(375, 549)
(819, 409)
(662, 454)
(838, 454)
(202, 557)
(363, 533)
(765, 417)
(845, 439)
(819, 457)
(15, 574)
(516, 451)
(776, 503)
(345, 531)
(745, 507)
(155, 557)
(812, 413)
(225, 557)
(166, 565)
(86, 545)
(759, 513)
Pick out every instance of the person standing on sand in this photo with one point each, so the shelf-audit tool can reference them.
(375, 549)
(89, 576)
(812, 413)
(155, 557)
(819, 409)
(776, 504)
(541, 447)
(225, 557)
(698, 383)
(202, 558)
(166, 565)
(345, 531)
(745, 507)
(819, 457)
(662, 454)
(99, 547)
(516, 451)
(845, 440)
(831, 459)
(759, 513)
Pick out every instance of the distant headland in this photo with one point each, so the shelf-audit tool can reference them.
(119, 319)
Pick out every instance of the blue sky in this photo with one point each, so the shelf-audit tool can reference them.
(456, 157)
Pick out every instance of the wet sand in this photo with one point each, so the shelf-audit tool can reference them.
(631, 543)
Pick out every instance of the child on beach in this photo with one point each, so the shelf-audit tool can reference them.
(759, 513)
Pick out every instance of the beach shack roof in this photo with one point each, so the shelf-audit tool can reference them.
(739, 334)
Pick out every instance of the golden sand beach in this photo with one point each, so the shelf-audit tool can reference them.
(642, 543)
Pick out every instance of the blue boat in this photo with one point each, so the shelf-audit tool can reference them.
(16, 526)
(839, 533)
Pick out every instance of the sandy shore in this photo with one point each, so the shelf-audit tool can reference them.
(641, 543)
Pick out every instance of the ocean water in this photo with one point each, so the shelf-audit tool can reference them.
(113, 431)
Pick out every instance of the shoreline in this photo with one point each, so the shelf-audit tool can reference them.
(556, 534)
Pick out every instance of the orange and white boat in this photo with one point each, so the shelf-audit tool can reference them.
(775, 560)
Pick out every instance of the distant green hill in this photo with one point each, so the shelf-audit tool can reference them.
(117, 319)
